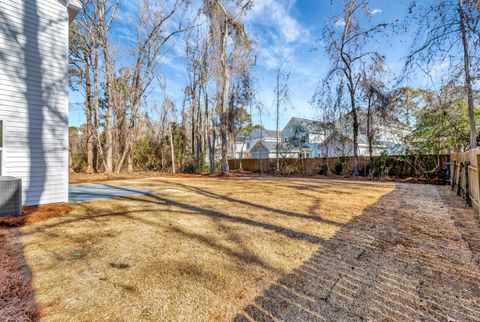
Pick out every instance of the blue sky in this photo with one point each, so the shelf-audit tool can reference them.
(281, 28)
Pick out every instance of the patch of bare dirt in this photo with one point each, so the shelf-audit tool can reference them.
(466, 221)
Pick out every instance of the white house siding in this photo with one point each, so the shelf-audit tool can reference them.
(34, 97)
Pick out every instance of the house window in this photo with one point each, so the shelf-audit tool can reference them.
(1, 147)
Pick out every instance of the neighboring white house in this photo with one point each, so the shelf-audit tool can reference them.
(387, 137)
(303, 137)
(34, 96)
(244, 144)
(314, 139)
(338, 144)
(264, 150)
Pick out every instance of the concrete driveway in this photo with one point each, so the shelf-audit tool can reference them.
(88, 192)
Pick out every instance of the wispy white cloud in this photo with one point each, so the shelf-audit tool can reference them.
(271, 55)
(375, 12)
(340, 23)
(282, 38)
(276, 13)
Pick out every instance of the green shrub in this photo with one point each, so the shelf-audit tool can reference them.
(190, 168)
(146, 155)
(383, 164)
(322, 170)
(338, 167)
(79, 162)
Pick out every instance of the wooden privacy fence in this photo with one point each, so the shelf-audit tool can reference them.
(416, 166)
(465, 177)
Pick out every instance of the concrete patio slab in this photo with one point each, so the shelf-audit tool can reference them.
(88, 192)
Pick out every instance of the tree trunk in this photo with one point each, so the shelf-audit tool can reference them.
(130, 161)
(172, 149)
(129, 137)
(355, 132)
(95, 111)
(127, 153)
(468, 77)
(199, 131)
(241, 155)
(223, 99)
(193, 120)
(370, 135)
(210, 138)
(109, 114)
(347, 70)
(88, 110)
(70, 161)
(212, 147)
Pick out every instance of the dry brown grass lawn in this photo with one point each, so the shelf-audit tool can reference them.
(206, 249)
(75, 178)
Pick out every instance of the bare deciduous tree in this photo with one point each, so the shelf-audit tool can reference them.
(152, 36)
(345, 41)
(224, 22)
(378, 102)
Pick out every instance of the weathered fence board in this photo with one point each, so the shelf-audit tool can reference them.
(465, 177)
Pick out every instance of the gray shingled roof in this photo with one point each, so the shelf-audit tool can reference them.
(270, 146)
(257, 134)
(362, 138)
(309, 124)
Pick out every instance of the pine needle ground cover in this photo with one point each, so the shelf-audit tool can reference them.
(206, 249)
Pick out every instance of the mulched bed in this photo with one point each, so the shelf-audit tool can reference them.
(33, 215)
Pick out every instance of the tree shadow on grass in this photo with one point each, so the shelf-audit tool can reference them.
(149, 204)
(217, 196)
(240, 252)
(184, 206)
(372, 270)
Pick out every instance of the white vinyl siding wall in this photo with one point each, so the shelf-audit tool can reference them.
(34, 97)
(1, 147)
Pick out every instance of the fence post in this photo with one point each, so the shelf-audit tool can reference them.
(467, 184)
(454, 174)
(447, 172)
(477, 155)
(459, 183)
